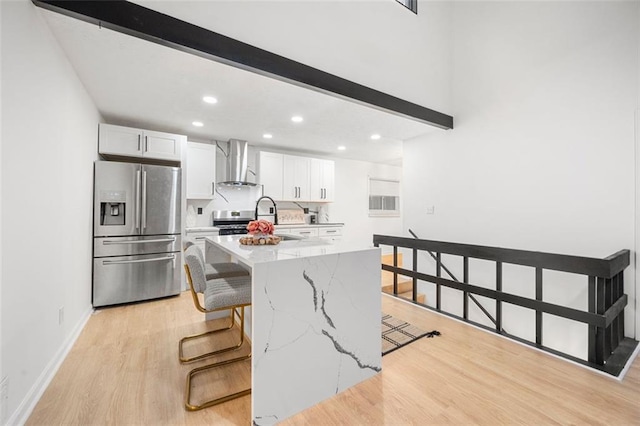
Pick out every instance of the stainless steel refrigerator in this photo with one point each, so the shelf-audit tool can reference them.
(137, 235)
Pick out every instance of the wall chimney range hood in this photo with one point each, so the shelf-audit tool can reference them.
(236, 174)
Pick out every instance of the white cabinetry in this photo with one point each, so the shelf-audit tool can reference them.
(322, 180)
(332, 233)
(123, 141)
(300, 232)
(198, 237)
(270, 174)
(200, 170)
(296, 178)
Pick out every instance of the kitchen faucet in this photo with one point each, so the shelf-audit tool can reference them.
(275, 209)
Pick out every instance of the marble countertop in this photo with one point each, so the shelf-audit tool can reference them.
(287, 249)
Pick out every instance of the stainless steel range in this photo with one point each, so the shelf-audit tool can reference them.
(232, 222)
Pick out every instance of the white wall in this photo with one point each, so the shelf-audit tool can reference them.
(542, 154)
(49, 137)
(377, 43)
(351, 204)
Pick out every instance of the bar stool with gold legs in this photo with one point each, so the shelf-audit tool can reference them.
(230, 293)
(216, 270)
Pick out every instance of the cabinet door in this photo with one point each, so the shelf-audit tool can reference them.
(328, 180)
(270, 174)
(163, 146)
(201, 170)
(296, 178)
(119, 140)
(322, 180)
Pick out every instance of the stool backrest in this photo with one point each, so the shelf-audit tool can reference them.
(194, 266)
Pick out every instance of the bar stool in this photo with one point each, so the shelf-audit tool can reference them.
(230, 293)
(216, 270)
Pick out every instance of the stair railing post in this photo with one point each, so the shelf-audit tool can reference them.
(538, 312)
(600, 309)
(498, 299)
(438, 274)
(395, 273)
(465, 279)
(414, 279)
(592, 357)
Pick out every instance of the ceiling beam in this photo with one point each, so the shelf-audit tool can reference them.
(147, 24)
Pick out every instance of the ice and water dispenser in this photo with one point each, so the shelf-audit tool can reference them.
(112, 207)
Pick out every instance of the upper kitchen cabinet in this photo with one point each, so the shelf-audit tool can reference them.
(200, 170)
(322, 180)
(270, 174)
(123, 141)
(296, 178)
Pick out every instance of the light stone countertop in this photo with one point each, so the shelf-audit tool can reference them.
(285, 250)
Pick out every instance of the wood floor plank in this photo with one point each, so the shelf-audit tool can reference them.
(124, 369)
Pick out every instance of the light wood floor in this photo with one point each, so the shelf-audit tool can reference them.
(124, 370)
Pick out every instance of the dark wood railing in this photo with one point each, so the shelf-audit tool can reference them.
(608, 348)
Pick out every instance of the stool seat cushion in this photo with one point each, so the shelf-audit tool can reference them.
(227, 292)
(223, 270)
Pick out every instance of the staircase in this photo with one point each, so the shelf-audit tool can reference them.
(405, 285)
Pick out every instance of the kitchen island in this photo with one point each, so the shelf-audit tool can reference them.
(315, 320)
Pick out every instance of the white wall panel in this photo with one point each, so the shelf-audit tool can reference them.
(542, 154)
(49, 142)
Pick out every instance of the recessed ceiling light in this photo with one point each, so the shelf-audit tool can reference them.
(342, 148)
(267, 136)
(210, 100)
(375, 136)
(198, 123)
(296, 119)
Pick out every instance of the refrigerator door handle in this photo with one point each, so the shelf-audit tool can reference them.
(162, 240)
(123, 262)
(143, 224)
(137, 195)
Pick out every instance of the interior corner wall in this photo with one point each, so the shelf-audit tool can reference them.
(379, 44)
(542, 154)
(351, 205)
(49, 143)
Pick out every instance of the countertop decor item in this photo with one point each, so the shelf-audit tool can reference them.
(261, 233)
(260, 240)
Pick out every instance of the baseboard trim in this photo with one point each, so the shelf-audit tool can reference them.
(24, 410)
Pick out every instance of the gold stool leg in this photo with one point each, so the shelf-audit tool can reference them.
(184, 359)
(187, 401)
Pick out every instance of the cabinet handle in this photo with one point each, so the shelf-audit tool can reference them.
(305, 232)
(330, 232)
(139, 136)
(146, 144)
(213, 188)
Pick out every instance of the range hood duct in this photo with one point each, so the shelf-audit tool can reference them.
(237, 164)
